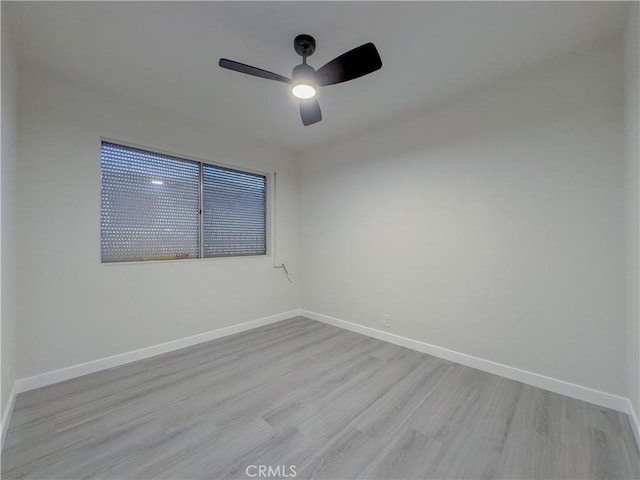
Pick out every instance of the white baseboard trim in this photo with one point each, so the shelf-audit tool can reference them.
(579, 392)
(6, 415)
(635, 423)
(55, 376)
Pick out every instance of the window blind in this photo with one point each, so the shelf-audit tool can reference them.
(150, 205)
(234, 212)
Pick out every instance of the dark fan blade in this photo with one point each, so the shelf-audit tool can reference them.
(355, 63)
(249, 70)
(310, 111)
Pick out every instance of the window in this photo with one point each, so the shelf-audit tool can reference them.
(160, 207)
(234, 212)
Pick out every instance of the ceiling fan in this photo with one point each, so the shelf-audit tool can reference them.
(305, 80)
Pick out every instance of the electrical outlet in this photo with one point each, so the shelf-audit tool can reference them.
(386, 320)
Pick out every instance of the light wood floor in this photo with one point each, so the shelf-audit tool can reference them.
(330, 403)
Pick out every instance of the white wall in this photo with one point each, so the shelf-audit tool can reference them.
(73, 309)
(7, 215)
(632, 220)
(491, 225)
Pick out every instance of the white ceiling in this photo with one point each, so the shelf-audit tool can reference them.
(166, 53)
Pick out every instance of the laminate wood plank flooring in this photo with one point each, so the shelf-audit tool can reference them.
(329, 403)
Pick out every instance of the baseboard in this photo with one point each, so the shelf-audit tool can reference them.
(55, 376)
(579, 392)
(6, 415)
(635, 423)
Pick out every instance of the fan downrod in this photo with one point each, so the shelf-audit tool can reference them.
(304, 45)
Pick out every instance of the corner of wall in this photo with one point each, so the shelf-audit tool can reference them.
(9, 83)
(632, 206)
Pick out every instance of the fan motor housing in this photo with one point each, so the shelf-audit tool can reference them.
(303, 72)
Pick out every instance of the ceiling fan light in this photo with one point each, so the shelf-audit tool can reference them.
(303, 85)
(304, 90)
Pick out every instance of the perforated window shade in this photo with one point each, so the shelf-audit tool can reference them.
(234, 212)
(150, 205)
